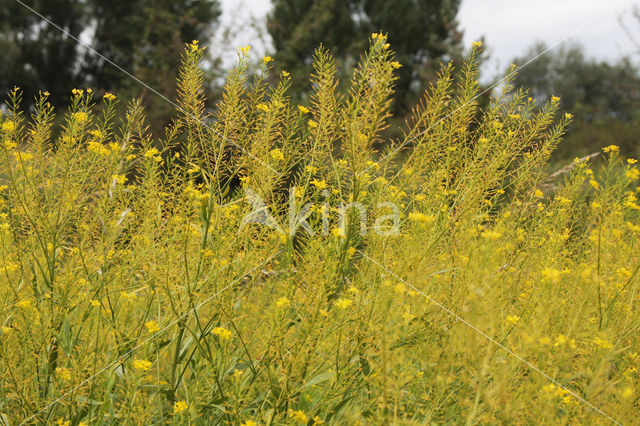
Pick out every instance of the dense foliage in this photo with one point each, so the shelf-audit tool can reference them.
(140, 36)
(134, 291)
(423, 32)
(604, 97)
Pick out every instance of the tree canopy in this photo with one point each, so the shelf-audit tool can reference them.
(144, 37)
(602, 96)
(420, 31)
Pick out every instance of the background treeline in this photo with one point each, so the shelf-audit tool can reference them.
(145, 38)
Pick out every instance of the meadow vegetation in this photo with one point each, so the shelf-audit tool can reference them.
(132, 292)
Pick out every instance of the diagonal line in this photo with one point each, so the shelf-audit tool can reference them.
(508, 76)
(151, 89)
(492, 340)
(130, 352)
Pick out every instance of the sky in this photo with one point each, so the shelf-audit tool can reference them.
(510, 27)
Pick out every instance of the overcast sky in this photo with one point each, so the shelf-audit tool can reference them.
(511, 26)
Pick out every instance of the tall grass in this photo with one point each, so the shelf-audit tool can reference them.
(133, 292)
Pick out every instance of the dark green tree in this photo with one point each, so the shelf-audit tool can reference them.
(37, 56)
(603, 97)
(420, 31)
(143, 37)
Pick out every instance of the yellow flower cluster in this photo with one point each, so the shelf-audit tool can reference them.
(277, 155)
(8, 126)
(152, 326)
(222, 333)
(179, 407)
(141, 364)
(422, 218)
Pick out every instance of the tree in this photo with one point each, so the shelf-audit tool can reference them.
(143, 37)
(420, 32)
(36, 55)
(602, 96)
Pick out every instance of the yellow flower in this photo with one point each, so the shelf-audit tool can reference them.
(491, 235)
(62, 422)
(298, 416)
(594, 183)
(568, 116)
(9, 126)
(602, 343)
(245, 49)
(179, 407)
(12, 267)
(513, 319)
(338, 232)
(263, 107)
(141, 364)
(277, 155)
(222, 333)
(320, 184)
(152, 152)
(95, 303)
(285, 73)
(477, 43)
(631, 161)
(303, 109)
(267, 59)
(555, 99)
(283, 302)
(343, 303)
(152, 326)
(24, 304)
(5, 329)
(544, 341)
(22, 156)
(399, 289)
(109, 96)
(249, 423)
(563, 340)
(633, 228)
(80, 117)
(422, 218)
(98, 148)
(395, 65)
(63, 373)
(127, 295)
(611, 148)
(119, 179)
(633, 174)
(552, 275)
(312, 124)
